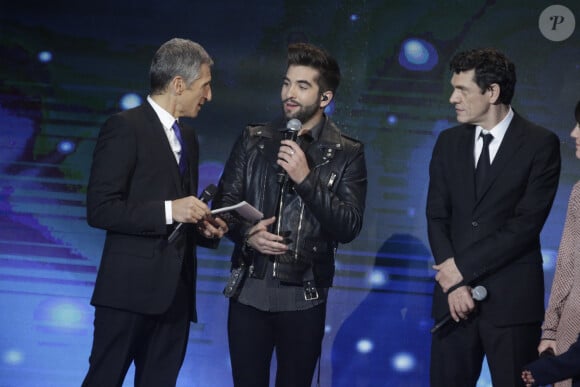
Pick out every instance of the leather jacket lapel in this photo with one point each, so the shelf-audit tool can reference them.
(328, 144)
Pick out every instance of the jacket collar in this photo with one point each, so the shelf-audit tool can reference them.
(165, 151)
(330, 137)
(321, 151)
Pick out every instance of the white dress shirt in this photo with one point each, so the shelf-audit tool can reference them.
(167, 121)
(498, 133)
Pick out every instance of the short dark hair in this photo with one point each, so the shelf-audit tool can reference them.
(577, 112)
(305, 54)
(491, 66)
(177, 57)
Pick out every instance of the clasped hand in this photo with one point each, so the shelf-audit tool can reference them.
(192, 210)
(260, 239)
(460, 300)
(293, 160)
(448, 274)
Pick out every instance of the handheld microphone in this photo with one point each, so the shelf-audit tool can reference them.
(479, 293)
(290, 133)
(207, 194)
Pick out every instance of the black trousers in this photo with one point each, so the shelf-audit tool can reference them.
(156, 344)
(457, 352)
(254, 335)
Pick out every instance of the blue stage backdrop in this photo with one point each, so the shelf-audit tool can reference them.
(67, 65)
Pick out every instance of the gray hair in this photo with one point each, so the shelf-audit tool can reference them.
(177, 57)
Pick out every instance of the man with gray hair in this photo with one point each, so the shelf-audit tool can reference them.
(143, 192)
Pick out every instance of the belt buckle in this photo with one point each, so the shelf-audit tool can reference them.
(310, 293)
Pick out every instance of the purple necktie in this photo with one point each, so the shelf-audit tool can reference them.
(183, 153)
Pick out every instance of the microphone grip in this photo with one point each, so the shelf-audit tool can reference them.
(441, 322)
(291, 135)
(283, 175)
(174, 233)
(478, 293)
(547, 353)
(207, 194)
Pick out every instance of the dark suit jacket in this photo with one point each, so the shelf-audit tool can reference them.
(495, 239)
(551, 369)
(133, 172)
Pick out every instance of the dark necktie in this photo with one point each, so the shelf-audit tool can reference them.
(483, 164)
(182, 153)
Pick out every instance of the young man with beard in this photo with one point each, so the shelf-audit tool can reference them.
(287, 259)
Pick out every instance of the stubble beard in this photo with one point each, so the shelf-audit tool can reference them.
(304, 113)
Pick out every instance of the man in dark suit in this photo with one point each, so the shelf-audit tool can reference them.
(484, 226)
(143, 183)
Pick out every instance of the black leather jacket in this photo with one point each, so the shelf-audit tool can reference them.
(324, 210)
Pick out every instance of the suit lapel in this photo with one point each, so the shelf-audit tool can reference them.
(163, 148)
(190, 139)
(466, 163)
(511, 142)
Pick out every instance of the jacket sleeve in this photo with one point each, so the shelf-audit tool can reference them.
(564, 276)
(231, 187)
(340, 211)
(109, 200)
(439, 206)
(551, 369)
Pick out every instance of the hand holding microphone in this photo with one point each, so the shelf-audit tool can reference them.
(293, 126)
(291, 157)
(478, 293)
(207, 194)
(290, 133)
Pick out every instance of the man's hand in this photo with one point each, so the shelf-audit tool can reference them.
(528, 378)
(293, 160)
(260, 239)
(212, 227)
(545, 345)
(189, 210)
(447, 274)
(461, 303)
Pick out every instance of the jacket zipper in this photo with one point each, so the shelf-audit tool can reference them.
(278, 225)
(279, 222)
(299, 229)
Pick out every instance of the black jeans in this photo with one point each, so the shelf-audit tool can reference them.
(253, 335)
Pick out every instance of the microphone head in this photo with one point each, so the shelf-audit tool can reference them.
(208, 193)
(294, 125)
(479, 293)
(292, 128)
